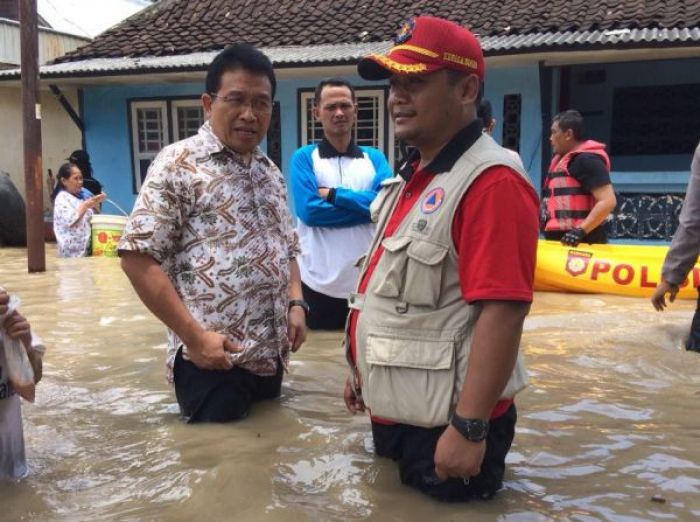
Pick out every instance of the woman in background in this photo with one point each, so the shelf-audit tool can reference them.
(81, 159)
(71, 214)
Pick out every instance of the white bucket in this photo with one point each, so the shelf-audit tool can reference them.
(107, 230)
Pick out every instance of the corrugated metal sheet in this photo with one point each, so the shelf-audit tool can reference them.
(589, 38)
(343, 53)
(52, 44)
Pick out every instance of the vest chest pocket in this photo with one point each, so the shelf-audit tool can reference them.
(394, 260)
(424, 273)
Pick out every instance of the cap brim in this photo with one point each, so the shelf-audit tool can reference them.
(381, 67)
(371, 69)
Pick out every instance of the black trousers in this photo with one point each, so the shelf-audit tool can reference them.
(413, 448)
(693, 342)
(325, 312)
(220, 395)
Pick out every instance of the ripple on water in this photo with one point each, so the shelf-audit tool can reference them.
(607, 422)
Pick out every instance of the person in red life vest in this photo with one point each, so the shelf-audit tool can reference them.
(435, 324)
(579, 192)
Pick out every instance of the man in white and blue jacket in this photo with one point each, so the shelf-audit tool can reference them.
(333, 184)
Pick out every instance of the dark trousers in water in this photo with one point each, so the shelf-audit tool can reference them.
(693, 343)
(325, 312)
(220, 395)
(413, 448)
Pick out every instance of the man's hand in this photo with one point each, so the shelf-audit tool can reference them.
(573, 237)
(659, 297)
(457, 457)
(353, 402)
(4, 300)
(209, 351)
(323, 192)
(296, 327)
(17, 327)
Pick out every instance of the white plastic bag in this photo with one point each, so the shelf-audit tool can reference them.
(19, 369)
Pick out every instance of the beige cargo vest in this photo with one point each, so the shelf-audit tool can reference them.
(414, 331)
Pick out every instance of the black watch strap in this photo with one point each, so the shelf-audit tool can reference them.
(474, 430)
(300, 302)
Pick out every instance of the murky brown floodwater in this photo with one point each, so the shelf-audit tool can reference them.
(610, 420)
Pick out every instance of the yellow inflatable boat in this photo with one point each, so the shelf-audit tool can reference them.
(632, 270)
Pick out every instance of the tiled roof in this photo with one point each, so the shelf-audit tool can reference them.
(349, 53)
(176, 27)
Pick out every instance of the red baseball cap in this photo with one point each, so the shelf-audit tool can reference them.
(426, 44)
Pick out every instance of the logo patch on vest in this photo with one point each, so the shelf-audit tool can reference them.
(421, 226)
(577, 262)
(433, 200)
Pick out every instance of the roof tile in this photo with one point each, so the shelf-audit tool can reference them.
(187, 26)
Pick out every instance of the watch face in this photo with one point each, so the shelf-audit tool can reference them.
(477, 430)
(474, 430)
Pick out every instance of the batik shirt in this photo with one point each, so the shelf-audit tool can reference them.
(221, 231)
(73, 241)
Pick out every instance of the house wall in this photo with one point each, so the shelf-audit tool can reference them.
(649, 173)
(59, 134)
(107, 138)
(51, 44)
(526, 82)
(107, 135)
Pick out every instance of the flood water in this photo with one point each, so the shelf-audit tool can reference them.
(609, 421)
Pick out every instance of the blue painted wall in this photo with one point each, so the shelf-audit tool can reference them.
(107, 138)
(526, 82)
(667, 173)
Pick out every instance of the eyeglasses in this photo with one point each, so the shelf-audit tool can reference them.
(236, 101)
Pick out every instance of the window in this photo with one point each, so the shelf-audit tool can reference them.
(149, 134)
(655, 120)
(157, 123)
(512, 104)
(372, 129)
(187, 117)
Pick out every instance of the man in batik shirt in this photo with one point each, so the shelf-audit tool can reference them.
(210, 249)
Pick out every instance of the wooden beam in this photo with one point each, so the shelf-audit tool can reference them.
(67, 107)
(31, 112)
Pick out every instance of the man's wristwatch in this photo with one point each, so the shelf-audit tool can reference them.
(300, 302)
(474, 430)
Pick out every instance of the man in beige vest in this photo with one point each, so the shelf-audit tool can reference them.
(435, 326)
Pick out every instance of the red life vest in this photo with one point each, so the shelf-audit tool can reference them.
(567, 203)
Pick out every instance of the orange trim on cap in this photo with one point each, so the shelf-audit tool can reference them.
(415, 49)
(399, 67)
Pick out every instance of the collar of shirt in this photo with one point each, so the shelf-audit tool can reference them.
(212, 146)
(326, 150)
(448, 155)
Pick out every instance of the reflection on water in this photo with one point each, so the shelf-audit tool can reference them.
(608, 422)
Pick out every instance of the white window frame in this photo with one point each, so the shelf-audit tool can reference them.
(306, 97)
(137, 155)
(177, 104)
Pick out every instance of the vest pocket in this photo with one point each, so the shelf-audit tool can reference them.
(410, 380)
(394, 267)
(424, 273)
